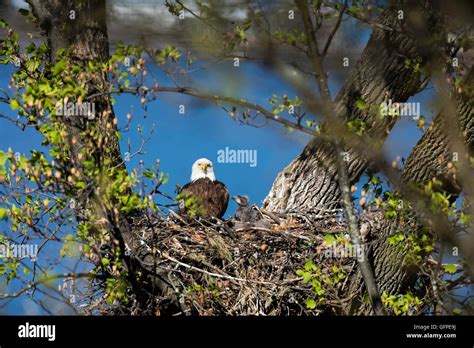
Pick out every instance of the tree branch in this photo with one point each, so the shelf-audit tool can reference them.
(217, 99)
(45, 280)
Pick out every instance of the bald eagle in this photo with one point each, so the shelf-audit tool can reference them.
(204, 196)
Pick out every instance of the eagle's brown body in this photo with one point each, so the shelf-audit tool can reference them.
(210, 198)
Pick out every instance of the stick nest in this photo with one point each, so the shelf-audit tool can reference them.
(233, 268)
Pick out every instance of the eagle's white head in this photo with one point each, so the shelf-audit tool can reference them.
(202, 168)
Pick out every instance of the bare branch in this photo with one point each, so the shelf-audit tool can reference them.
(45, 280)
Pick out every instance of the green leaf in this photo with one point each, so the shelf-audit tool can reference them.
(14, 104)
(3, 24)
(23, 162)
(32, 65)
(307, 277)
(310, 303)
(3, 213)
(329, 238)
(451, 268)
(58, 67)
(3, 158)
(361, 104)
(149, 174)
(309, 266)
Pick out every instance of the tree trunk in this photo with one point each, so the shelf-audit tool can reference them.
(432, 154)
(86, 37)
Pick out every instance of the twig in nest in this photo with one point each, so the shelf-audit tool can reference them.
(225, 276)
(270, 215)
(178, 217)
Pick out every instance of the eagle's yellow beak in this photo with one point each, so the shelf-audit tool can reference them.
(204, 168)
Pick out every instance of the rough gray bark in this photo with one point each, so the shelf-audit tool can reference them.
(432, 154)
